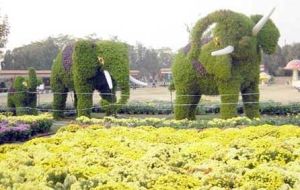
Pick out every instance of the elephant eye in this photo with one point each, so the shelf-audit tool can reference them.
(217, 41)
(101, 60)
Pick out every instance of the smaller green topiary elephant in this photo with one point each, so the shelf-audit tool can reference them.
(86, 66)
(22, 96)
(226, 62)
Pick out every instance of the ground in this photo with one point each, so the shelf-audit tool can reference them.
(278, 92)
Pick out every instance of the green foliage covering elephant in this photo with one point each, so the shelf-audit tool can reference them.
(22, 96)
(226, 62)
(83, 67)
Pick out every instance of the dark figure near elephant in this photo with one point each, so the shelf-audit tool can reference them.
(225, 63)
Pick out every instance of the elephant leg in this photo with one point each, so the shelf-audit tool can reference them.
(107, 99)
(75, 100)
(250, 97)
(10, 103)
(186, 104)
(59, 101)
(229, 92)
(84, 102)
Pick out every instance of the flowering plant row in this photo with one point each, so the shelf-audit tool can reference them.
(162, 122)
(18, 128)
(96, 157)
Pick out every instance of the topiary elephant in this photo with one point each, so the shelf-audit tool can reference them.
(86, 66)
(225, 63)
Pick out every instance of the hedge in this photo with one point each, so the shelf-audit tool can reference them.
(165, 108)
(199, 124)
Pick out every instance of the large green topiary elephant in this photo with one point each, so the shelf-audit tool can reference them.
(86, 66)
(225, 62)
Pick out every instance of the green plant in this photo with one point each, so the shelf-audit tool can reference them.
(31, 91)
(22, 96)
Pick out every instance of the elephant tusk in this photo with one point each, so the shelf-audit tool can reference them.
(108, 79)
(225, 51)
(134, 80)
(262, 22)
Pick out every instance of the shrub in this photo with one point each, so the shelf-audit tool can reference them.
(19, 128)
(22, 96)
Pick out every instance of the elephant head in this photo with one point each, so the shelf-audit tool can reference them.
(235, 38)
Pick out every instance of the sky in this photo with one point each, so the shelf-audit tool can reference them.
(154, 23)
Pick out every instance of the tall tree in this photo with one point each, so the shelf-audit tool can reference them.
(38, 55)
(274, 63)
(148, 61)
(4, 31)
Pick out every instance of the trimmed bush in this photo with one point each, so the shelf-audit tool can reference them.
(22, 97)
(199, 124)
(31, 93)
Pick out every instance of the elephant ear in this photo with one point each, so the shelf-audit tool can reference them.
(268, 36)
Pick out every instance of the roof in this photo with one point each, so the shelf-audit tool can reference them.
(4, 74)
(294, 64)
(165, 70)
(15, 73)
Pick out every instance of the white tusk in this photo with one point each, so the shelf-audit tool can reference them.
(225, 51)
(262, 22)
(108, 79)
(134, 80)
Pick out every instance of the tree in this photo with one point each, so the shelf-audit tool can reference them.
(274, 63)
(148, 60)
(4, 31)
(38, 55)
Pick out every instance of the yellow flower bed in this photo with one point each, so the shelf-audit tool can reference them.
(95, 157)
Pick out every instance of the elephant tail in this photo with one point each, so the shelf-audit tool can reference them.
(200, 27)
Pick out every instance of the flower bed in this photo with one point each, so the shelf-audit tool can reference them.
(95, 157)
(19, 128)
(200, 124)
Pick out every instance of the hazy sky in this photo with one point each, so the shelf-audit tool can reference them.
(155, 23)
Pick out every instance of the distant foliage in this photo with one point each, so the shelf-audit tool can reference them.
(39, 55)
(4, 31)
(148, 60)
